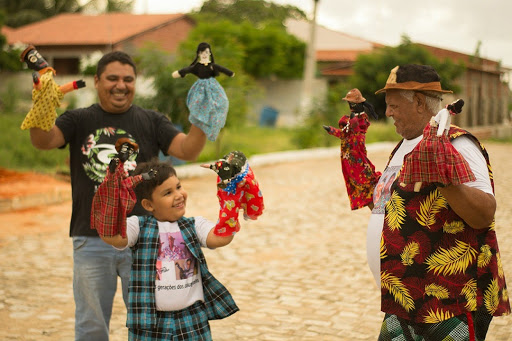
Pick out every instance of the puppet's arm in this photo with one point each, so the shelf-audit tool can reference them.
(182, 72)
(333, 131)
(224, 70)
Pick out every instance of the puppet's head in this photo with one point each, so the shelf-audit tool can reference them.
(455, 107)
(355, 101)
(125, 148)
(229, 166)
(33, 59)
(204, 53)
(358, 104)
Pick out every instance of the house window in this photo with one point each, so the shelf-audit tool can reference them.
(66, 66)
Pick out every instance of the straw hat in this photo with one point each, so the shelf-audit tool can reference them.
(414, 77)
(354, 96)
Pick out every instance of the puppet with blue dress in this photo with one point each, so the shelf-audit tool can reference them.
(206, 99)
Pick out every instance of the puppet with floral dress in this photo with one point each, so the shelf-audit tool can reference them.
(237, 189)
(206, 99)
(434, 159)
(358, 171)
(46, 94)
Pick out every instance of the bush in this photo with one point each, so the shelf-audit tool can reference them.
(10, 98)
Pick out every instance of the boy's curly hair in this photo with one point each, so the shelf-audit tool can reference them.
(162, 170)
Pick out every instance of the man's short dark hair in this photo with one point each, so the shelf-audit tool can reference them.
(115, 56)
(162, 170)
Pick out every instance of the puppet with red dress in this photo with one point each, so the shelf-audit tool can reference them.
(358, 171)
(237, 188)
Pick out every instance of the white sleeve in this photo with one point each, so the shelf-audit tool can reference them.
(203, 227)
(132, 231)
(473, 155)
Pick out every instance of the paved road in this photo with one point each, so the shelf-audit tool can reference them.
(298, 273)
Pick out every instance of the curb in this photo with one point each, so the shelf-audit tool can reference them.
(195, 170)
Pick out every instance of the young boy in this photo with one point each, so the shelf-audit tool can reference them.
(162, 303)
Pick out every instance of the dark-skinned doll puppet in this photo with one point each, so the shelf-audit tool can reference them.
(206, 99)
(358, 171)
(46, 94)
(237, 188)
(115, 197)
(435, 159)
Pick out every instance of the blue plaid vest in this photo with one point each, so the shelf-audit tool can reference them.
(141, 292)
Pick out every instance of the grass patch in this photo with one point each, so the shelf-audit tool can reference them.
(250, 140)
(17, 153)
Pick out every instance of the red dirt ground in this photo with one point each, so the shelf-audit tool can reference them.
(13, 183)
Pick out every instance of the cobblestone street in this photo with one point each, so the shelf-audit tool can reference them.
(297, 273)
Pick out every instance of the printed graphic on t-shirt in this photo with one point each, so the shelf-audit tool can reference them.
(174, 262)
(382, 191)
(178, 281)
(99, 148)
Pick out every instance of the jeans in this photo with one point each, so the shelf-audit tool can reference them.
(96, 266)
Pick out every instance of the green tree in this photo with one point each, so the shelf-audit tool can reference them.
(109, 6)
(257, 12)
(23, 12)
(372, 70)
(9, 57)
(270, 51)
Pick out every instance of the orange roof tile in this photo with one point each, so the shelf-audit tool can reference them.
(482, 64)
(6, 30)
(79, 29)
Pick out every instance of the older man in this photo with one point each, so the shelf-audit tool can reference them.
(433, 250)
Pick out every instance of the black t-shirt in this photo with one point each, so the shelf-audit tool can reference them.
(91, 134)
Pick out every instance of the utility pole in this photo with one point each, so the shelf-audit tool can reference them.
(309, 65)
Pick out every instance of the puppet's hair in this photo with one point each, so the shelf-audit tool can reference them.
(370, 109)
(200, 48)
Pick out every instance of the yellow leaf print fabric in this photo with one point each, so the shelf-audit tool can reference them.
(398, 290)
(434, 203)
(396, 211)
(451, 261)
(44, 101)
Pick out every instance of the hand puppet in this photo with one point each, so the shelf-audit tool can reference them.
(434, 159)
(115, 197)
(46, 94)
(206, 100)
(237, 189)
(358, 171)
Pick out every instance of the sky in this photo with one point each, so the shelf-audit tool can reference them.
(457, 25)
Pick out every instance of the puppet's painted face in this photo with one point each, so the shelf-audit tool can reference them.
(35, 61)
(204, 56)
(356, 107)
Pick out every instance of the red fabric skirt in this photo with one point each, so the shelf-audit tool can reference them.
(358, 172)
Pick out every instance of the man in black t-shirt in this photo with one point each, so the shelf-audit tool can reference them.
(91, 134)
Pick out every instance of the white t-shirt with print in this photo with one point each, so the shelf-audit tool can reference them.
(177, 279)
(464, 145)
